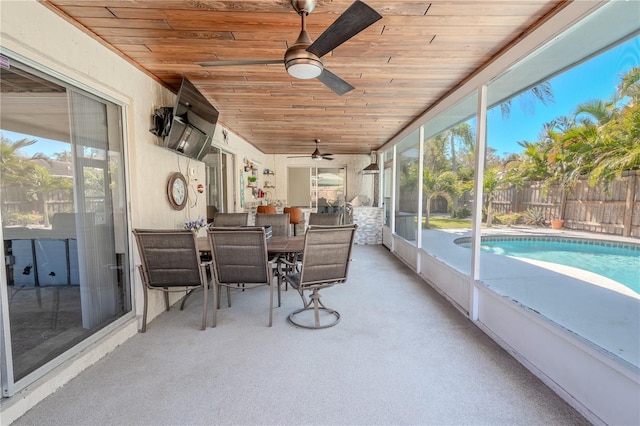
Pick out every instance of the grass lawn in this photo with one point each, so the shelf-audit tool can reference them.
(439, 222)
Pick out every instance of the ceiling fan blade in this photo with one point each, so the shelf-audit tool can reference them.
(335, 83)
(236, 63)
(327, 158)
(300, 156)
(355, 19)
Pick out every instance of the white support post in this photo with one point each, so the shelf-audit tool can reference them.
(420, 199)
(481, 148)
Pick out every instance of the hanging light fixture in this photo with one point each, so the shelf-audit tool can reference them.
(298, 62)
(372, 168)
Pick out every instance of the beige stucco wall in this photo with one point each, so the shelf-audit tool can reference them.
(32, 33)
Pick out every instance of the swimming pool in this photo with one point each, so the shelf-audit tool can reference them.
(617, 261)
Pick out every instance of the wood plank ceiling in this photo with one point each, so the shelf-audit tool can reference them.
(400, 66)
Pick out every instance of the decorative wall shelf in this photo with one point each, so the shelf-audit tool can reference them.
(267, 182)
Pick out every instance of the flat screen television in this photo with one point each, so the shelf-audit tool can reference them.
(193, 123)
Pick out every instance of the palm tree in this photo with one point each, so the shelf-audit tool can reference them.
(435, 155)
(441, 185)
(490, 186)
(461, 134)
(552, 158)
(542, 92)
(34, 179)
(597, 111)
(497, 178)
(12, 164)
(615, 148)
(630, 86)
(43, 184)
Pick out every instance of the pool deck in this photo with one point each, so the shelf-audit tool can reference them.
(599, 310)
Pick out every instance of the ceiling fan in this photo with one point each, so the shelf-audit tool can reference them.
(316, 154)
(302, 59)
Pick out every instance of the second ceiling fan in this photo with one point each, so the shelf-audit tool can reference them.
(316, 155)
(302, 59)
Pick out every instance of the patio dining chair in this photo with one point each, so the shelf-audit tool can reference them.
(325, 219)
(231, 219)
(327, 253)
(268, 209)
(296, 217)
(240, 257)
(279, 223)
(170, 262)
(280, 227)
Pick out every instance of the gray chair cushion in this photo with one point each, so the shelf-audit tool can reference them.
(326, 219)
(170, 261)
(231, 219)
(279, 223)
(240, 258)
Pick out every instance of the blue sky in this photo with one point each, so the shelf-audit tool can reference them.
(595, 79)
(44, 146)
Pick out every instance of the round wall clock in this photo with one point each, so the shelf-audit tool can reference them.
(177, 191)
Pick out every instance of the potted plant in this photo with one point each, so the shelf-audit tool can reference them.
(252, 181)
(557, 223)
(195, 225)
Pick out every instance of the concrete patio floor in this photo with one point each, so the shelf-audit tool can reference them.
(400, 355)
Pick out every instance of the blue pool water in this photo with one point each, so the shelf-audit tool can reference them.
(618, 261)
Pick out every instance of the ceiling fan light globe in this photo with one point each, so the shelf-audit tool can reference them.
(304, 68)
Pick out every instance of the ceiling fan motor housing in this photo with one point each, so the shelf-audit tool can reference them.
(302, 64)
(303, 6)
(302, 59)
(298, 62)
(316, 155)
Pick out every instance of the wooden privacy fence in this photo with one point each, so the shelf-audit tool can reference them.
(615, 210)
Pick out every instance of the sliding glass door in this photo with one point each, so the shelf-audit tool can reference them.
(320, 189)
(64, 229)
(331, 189)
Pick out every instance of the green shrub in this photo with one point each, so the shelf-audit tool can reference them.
(23, 219)
(508, 219)
(461, 213)
(534, 217)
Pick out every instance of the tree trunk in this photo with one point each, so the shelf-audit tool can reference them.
(489, 214)
(426, 214)
(454, 169)
(45, 211)
(563, 203)
(628, 205)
